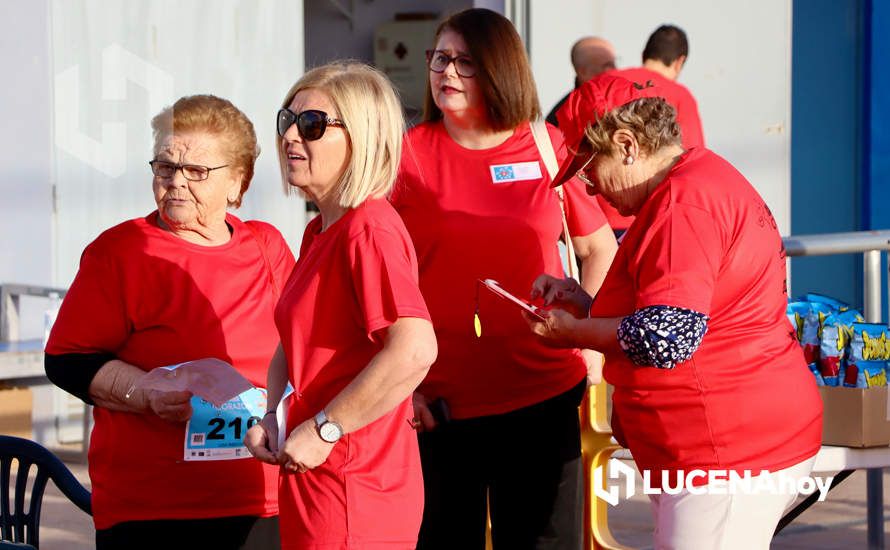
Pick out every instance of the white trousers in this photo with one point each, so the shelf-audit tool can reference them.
(743, 521)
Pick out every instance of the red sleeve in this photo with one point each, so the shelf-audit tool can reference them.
(583, 214)
(690, 123)
(92, 317)
(312, 229)
(678, 260)
(384, 275)
(280, 256)
(409, 170)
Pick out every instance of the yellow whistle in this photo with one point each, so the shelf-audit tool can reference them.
(478, 325)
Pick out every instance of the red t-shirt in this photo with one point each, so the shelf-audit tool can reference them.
(153, 299)
(616, 220)
(488, 214)
(351, 281)
(705, 240)
(682, 100)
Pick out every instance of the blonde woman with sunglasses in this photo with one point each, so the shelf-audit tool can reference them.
(356, 338)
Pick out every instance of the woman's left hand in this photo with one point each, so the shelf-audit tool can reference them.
(172, 406)
(565, 293)
(594, 361)
(558, 329)
(304, 449)
(261, 439)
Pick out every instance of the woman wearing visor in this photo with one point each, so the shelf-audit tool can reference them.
(707, 372)
(498, 411)
(355, 333)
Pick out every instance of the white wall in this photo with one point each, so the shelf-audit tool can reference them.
(116, 64)
(739, 70)
(25, 143)
(552, 36)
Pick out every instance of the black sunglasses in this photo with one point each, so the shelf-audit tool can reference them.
(311, 124)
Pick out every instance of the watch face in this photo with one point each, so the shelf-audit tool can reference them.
(330, 432)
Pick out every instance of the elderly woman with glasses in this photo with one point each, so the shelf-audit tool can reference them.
(189, 281)
(498, 410)
(707, 372)
(356, 338)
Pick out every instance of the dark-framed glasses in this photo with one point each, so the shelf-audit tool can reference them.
(438, 61)
(581, 174)
(191, 172)
(311, 124)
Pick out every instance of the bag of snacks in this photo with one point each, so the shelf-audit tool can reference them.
(835, 305)
(806, 318)
(869, 356)
(837, 330)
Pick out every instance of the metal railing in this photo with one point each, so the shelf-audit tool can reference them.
(10, 293)
(21, 364)
(870, 244)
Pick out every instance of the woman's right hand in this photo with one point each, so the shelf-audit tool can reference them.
(566, 293)
(261, 439)
(423, 421)
(172, 406)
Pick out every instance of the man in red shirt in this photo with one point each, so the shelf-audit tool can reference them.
(664, 57)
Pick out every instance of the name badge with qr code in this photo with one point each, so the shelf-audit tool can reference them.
(217, 433)
(518, 171)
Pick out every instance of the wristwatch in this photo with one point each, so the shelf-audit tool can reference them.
(328, 430)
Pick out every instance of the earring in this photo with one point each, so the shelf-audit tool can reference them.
(628, 160)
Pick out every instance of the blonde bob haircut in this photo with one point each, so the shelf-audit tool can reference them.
(370, 110)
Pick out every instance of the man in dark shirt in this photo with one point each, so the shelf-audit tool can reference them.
(590, 56)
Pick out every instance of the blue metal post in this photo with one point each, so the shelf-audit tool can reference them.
(876, 187)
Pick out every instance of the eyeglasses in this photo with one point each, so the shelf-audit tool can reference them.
(191, 172)
(311, 124)
(439, 60)
(581, 174)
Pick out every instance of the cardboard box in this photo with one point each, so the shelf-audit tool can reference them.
(15, 411)
(855, 417)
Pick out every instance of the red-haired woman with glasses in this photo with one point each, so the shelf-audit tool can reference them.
(189, 281)
(497, 412)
